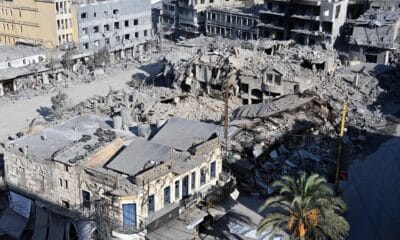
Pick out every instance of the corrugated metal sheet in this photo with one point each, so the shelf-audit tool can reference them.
(133, 158)
(181, 134)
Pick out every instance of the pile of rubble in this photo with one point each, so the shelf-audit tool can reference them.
(277, 141)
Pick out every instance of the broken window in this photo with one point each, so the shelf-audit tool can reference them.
(177, 193)
(84, 31)
(371, 58)
(278, 80)
(337, 13)
(106, 28)
(126, 23)
(213, 170)
(85, 198)
(135, 22)
(115, 11)
(116, 25)
(136, 34)
(83, 15)
(145, 33)
(193, 181)
(85, 46)
(65, 204)
(126, 36)
(96, 29)
(202, 176)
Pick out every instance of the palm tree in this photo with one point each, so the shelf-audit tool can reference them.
(306, 208)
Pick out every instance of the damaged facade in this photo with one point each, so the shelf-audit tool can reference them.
(236, 23)
(258, 71)
(25, 67)
(307, 22)
(188, 17)
(113, 23)
(67, 168)
(375, 36)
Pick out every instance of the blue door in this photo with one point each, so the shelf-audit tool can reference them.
(129, 215)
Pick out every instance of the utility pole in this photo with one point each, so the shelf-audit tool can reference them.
(341, 135)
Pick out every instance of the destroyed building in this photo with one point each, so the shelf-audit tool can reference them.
(113, 23)
(236, 23)
(375, 36)
(262, 70)
(68, 168)
(307, 22)
(188, 17)
(25, 67)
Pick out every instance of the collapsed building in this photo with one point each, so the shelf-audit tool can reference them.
(255, 71)
(81, 174)
(375, 36)
(26, 67)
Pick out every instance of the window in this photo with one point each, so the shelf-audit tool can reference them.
(66, 184)
(136, 34)
(145, 33)
(106, 28)
(86, 46)
(135, 22)
(126, 23)
(85, 198)
(278, 80)
(202, 176)
(97, 43)
(66, 168)
(83, 15)
(151, 204)
(126, 36)
(96, 29)
(116, 25)
(177, 193)
(167, 196)
(193, 183)
(185, 187)
(20, 14)
(115, 11)
(94, 14)
(61, 182)
(24, 61)
(65, 204)
(107, 41)
(117, 39)
(337, 13)
(269, 78)
(84, 31)
(213, 169)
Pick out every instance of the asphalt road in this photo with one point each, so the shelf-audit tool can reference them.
(373, 193)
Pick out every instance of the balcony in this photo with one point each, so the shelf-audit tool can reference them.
(306, 17)
(269, 12)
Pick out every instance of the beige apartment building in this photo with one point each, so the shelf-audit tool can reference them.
(37, 22)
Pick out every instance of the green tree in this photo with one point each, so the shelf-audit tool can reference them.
(67, 60)
(305, 208)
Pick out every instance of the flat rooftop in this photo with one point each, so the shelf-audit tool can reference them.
(9, 53)
(138, 156)
(182, 134)
(69, 142)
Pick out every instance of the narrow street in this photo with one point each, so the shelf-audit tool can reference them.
(373, 195)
